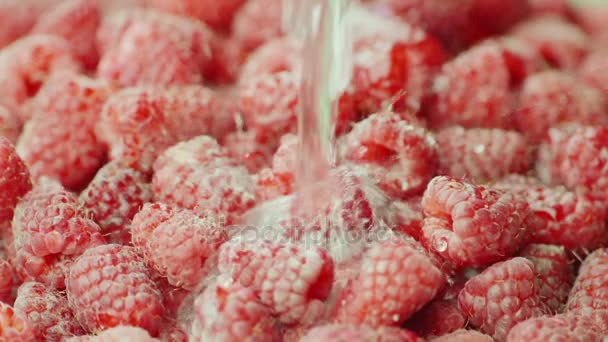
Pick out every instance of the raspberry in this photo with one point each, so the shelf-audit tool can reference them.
(6, 281)
(521, 57)
(279, 181)
(561, 43)
(501, 296)
(274, 56)
(400, 157)
(556, 328)
(114, 196)
(496, 16)
(117, 334)
(224, 65)
(394, 72)
(446, 19)
(188, 175)
(270, 186)
(471, 225)
(551, 98)
(162, 58)
(48, 312)
(269, 104)
(14, 181)
(394, 282)
(473, 90)
(59, 141)
(109, 285)
(256, 22)
(231, 313)
(554, 273)
(292, 281)
(576, 157)
(589, 290)
(572, 220)
(17, 18)
(217, 15)
(348, 332)
(482, 154)
(464, 336)
(158, 230)
(76, 21)
(10, 125)
(438, 318)
(50, 228)
(140, 123)
(591, 70)
(14, 326)
(244, 147)
(407, 216)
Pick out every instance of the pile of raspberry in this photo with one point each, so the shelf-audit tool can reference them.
(143, 143)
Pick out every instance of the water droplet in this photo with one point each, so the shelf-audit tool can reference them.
(396, 317)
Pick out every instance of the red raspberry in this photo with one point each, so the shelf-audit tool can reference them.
(293, 281)
(348, 332)
(48, 312)
(114, 196)
(59, 141)
(50, 228)
(76, 21)
(29, 62)
(407, 216)
(592, 67)
(217, 14)
(117, 334)
(554, 273)
(521, 57)
(561, 43)
(158, 230)
(161, 58)
(6, 281)
(401, 157)
(245, 147)
(109, 285)
(446, 19)
(576, 157)
(274, 56)
(10, 125)
(572, 220)
(556, 328)
(501, 296)
(471, 225)
(589, 290)
(438, 318)
(14, 181)
(394, 281)
(473, 90)
(17, 19)
(256, 22)
(482, 154)
(140, 123)
(551, 98)
(269, 104)
(464, 336)
(232, 313)
(394, 71)
(14, 326)
(197, 175)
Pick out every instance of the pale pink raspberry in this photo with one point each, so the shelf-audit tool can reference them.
(113, 197)
(109, 285)
(464, 336)
(118, 334)
(293, 281)
(556, 328)
(230, 312)
(10, 125)
(589, 290)
(554, 273)
(48, 312)
(351, 332)
(158, 230)
(394, 281)
(192, 176)
(501, 296)
(14, 326)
